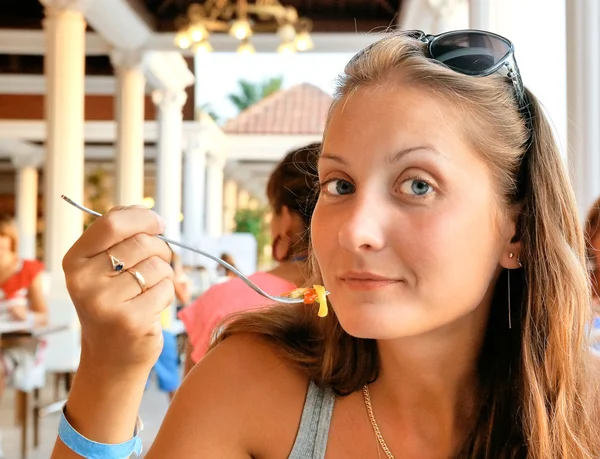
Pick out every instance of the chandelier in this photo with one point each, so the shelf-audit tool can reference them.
(241, 19)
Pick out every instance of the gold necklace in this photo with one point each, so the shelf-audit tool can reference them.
(380, 439)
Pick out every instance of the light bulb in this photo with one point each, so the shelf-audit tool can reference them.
(198, 32)
(241, 29)
(203, 47)
(182, 40)
(303, 41)
(246, 48)
(286, 32)
(286, 48)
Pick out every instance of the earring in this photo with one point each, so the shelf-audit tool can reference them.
(508, 282)
(512, 255)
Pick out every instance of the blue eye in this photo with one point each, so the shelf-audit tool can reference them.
(416, 187)
(338, 187)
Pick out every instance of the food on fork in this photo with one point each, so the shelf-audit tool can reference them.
(316, 294)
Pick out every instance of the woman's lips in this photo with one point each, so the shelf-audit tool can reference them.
(366, 281)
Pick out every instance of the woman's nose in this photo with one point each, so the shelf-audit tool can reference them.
(363, 225)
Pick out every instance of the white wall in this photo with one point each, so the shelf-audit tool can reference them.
(538, 30)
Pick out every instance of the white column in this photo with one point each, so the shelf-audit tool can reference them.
(64, 63)
(169, 158)
(583, 99)
(129, 113)
(194, 194)
(230, 205)
(63, 172)
(214, 194)
(26, 194)
(479, 14)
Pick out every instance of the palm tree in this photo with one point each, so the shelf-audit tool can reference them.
(210, 111)
(250, 92)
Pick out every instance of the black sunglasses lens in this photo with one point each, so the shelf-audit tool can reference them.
(472, 53)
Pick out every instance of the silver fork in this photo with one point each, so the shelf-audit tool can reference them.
(252, 285)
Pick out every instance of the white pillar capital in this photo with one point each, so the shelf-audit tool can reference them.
(127, 59)
(52, 7)
(23, 161)
(165, 99)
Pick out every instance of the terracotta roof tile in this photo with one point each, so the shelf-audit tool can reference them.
(301, 109)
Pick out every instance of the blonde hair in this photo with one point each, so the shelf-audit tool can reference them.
(536, 378)
(8, 227)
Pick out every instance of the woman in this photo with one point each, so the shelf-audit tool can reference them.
(290, 191)
(223, 272)
(167, 367)
(21, 299)
(446, 231)
(21, 295)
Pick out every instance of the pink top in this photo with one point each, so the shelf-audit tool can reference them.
(202, 316)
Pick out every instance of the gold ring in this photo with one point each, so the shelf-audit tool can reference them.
(139, 278)
(117, 265)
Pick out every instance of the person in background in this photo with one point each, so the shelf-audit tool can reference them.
(21, 297)
(592, 237)
(167, 367)
(224, 273)
(291, 195)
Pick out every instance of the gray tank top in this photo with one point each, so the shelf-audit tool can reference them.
(311, 441)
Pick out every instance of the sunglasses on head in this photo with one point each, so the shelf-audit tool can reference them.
(475, 53)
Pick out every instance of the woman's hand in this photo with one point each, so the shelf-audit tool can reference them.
(120, 321)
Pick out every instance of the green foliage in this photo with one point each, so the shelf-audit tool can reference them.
(249, 221)
(251, 92)
(253, 221)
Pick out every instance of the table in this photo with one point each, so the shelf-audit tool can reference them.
(24, 330)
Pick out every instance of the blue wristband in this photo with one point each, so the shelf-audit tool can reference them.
(93, 450)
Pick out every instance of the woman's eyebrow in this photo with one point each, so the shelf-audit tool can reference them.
(397, 156)
(336, 158)
(391, 159)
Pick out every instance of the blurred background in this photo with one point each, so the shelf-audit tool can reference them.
(187, 106)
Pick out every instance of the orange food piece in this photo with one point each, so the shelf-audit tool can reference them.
(310, 296)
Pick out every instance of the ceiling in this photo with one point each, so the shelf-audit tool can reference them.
(327, 15)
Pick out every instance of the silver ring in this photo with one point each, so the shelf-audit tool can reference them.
(139, 278)
(117, 264)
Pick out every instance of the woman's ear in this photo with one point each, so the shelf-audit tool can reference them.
(510, 258)
(285, 221)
